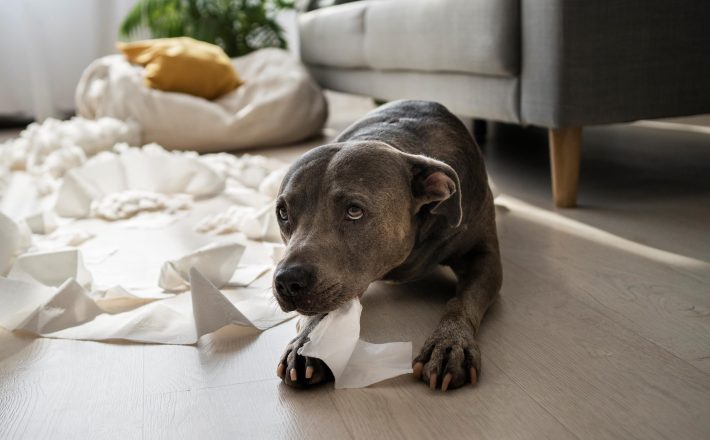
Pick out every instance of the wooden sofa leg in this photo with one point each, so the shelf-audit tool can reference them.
(565, 155)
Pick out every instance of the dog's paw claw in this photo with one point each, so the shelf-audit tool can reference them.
(446, 382)
(448, 362)
(301, 371)
(417, 370)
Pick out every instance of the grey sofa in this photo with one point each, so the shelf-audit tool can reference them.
(559, 64)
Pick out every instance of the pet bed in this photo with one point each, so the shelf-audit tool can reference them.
(278, 103)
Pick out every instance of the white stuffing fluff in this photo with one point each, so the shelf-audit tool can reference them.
(55, 146)
(248, 170)
(126, 204)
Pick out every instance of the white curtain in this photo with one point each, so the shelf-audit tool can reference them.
(44, 47)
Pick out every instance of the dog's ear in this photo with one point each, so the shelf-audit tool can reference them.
(436, 184)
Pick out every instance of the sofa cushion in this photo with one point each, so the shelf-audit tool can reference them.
(334, 36)
(477, 36)
(469, 36)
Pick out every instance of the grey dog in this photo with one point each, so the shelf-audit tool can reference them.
(399, 192)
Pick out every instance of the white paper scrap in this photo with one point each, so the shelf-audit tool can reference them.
(69, 312)
(355, 363)
(135, 169)
(42, 309)
(43, 222)
(211, 309)
(216, 262)
(255, 224)
(51, 268)
(14, 239)
(247, 274)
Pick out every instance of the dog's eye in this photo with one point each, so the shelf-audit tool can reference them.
(283, 215)
(354, 212)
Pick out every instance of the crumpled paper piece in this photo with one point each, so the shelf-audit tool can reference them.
(211, 309)
(255, 224)
(43, 310)
(250, 171)
(14, 240)
(272, 183)
(21, 197)
(69, 312)
(51, 268)
(22, 201)
(144, 169)
(217, 263)
(354, 362)
(43, 223)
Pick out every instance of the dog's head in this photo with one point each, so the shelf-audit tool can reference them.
(349, 215)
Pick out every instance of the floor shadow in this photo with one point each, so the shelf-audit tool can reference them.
(406, 312)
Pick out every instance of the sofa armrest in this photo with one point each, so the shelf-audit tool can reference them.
(602, 61)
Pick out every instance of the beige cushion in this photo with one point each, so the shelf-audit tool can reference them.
(469, 36)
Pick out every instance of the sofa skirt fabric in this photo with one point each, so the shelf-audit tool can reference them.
(486, 97)
(278, 103)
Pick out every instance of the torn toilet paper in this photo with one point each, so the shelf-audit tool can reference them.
(69, 312)
(51, 268)
(217, 263)
(15, 239)
(43, 222)
(151, 278)
(147, 169)
(255, 224)
(354, 362)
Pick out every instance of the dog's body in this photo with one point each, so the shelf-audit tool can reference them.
(399, 192)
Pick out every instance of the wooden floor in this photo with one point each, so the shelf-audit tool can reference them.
(602, 329)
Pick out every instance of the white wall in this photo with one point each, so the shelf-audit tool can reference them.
(44, 47)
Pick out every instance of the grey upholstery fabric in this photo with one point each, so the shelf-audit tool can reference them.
(334, 36)
(488, 97)
(581, 62)
(593, 62)
(472, 36)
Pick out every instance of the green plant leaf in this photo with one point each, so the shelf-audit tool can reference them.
(238, 26)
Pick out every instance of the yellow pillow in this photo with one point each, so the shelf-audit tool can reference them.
(183, 65)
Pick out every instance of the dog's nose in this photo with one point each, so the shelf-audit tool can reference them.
(293, 280)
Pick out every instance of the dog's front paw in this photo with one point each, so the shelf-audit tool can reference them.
(301, 371)
(450, 357)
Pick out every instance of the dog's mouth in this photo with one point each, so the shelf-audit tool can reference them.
(316, 302)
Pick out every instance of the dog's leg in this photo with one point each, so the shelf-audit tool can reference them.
(450, 357)
(302, 371)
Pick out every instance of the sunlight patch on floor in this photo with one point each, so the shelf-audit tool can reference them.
(561, 223)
